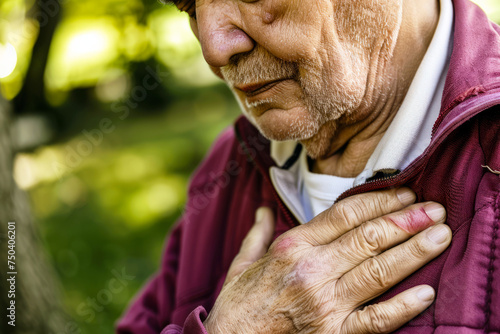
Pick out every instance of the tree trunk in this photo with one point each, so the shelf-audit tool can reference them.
(31, 98)
(37, 302)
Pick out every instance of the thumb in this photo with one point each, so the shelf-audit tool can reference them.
(255, 244)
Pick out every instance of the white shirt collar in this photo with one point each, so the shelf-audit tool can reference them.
(410, 130)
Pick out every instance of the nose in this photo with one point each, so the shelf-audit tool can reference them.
(220, 34)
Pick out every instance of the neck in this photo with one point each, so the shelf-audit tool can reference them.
(354, 143)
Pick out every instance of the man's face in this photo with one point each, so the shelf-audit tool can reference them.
(300, 69)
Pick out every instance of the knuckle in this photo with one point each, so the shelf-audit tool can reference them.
(418, 249)
(376, 319)
(378, 203)
(379, 272)
(284, 246)
(372, 237)
(406, 306)
(347, 212)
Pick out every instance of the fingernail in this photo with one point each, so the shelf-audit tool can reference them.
(406, 196)
(435, 211)
(438, 234)
(425, 294)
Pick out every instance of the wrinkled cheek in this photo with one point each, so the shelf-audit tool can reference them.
(247, 113)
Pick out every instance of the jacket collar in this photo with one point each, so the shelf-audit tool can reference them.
(475, 61)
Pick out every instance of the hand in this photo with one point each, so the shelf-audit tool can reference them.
(315, 277)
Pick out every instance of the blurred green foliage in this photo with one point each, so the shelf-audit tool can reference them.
(105, 200)
(105, 197)
(116, 208)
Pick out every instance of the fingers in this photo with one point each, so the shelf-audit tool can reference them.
(377, 274)
(255, 244)
(388, 316)
(354, 211)
(380, 234)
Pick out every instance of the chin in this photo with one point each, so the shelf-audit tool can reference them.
(316, 139)
(278, 124)
(319, 146)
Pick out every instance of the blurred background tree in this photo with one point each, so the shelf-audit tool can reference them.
(110, 107)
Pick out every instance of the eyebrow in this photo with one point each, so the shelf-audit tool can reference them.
(183, 5)
(175, 2)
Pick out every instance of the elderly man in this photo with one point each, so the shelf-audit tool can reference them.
(348, 105)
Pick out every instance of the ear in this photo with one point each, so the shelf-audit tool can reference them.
(194, 27)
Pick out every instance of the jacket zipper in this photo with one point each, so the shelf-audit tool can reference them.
(384, 182)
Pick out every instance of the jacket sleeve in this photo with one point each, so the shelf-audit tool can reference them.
(152, 310)
(192, 325)
(155, 303)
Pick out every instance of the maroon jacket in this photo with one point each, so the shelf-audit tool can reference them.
(234, 181)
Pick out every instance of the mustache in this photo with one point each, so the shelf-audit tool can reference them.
(257, 66)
